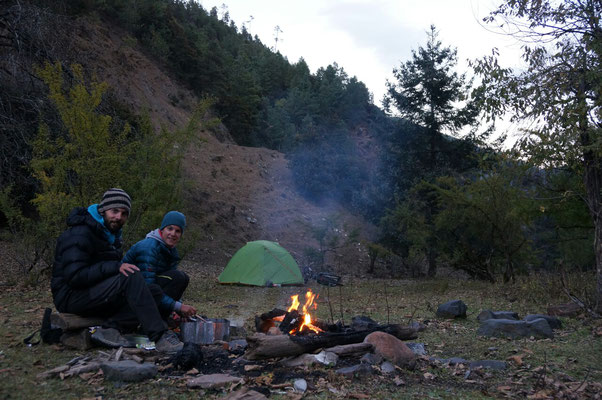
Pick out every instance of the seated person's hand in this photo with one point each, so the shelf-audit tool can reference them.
(187, 311)
(126, 269)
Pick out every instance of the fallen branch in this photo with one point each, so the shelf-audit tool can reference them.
(348, 350)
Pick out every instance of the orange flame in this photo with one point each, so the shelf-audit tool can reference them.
(295, 304)
(309, 301)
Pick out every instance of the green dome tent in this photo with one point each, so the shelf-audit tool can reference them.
(261, 263)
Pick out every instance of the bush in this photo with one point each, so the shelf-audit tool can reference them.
(89, 154)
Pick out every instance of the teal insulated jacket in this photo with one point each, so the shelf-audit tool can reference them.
(154, 258)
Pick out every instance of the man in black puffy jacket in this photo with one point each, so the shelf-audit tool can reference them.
(89, 279)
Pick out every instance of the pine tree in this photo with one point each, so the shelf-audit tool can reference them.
(429, 94)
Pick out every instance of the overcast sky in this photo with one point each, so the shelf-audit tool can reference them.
(368, 38)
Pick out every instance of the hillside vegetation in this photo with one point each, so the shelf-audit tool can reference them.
(187, 110)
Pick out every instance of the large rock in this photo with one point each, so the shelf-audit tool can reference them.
(392, 349)
(511, 329)
(488, 314)
(128, 371)
(452, 309)
(553, 321)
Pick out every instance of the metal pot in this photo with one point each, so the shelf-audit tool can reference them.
(205, 330)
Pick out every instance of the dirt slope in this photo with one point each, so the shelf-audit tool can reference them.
(237, 193)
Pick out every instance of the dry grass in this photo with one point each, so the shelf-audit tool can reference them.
(574, 352)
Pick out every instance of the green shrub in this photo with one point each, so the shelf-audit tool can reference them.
(91, 153)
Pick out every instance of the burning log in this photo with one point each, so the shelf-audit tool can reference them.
(261, 346)
(265, 321)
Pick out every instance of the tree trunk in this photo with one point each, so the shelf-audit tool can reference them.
(593, 184)
(432, 261)
(372, 262)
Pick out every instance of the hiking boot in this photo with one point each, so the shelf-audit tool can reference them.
(169, 343)
(109, 337)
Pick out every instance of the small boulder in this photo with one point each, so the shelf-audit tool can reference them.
(128, 371)
(489, 364)
(387, 368)
(450, 361)
(452, 309)
(392, 349)
(553, 321)
(511, 329)
(359, 369)
(417, 348)
(371, 358)
(488, 314)
(327, 358)
(300, 385)
(213, 381)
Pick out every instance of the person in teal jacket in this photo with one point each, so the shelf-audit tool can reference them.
(157, 258)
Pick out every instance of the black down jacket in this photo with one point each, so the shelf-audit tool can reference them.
(83, 257)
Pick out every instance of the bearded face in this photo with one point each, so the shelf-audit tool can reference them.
(115, 218)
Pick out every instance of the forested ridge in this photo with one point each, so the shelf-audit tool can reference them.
(443, 192)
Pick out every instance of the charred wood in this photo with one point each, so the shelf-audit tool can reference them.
(262, 346)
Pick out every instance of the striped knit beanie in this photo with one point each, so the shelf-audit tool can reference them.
(115, 198)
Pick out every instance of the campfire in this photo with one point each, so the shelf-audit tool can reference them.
(299, 320)
(294, 331)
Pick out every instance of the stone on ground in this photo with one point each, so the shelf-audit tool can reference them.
(371, 358)
(392, 349)
(539, 328)
(213, 381)
(128, 371)
(488, 314)
(300, 385)
(553, 321)
(452, 309)
(489, 364)
(359, 369)
(417, 348)
(387, 368)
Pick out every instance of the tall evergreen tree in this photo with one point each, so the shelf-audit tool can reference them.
(432, 96)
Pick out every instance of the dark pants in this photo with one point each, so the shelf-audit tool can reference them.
(172, 283)
(125, 301)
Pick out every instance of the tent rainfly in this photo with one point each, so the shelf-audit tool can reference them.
(262, 263)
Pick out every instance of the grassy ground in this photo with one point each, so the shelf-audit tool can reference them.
(569, 365)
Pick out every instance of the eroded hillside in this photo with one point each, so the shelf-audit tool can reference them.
(236, 194)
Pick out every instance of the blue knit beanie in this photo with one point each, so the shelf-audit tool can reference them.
(174, 218)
